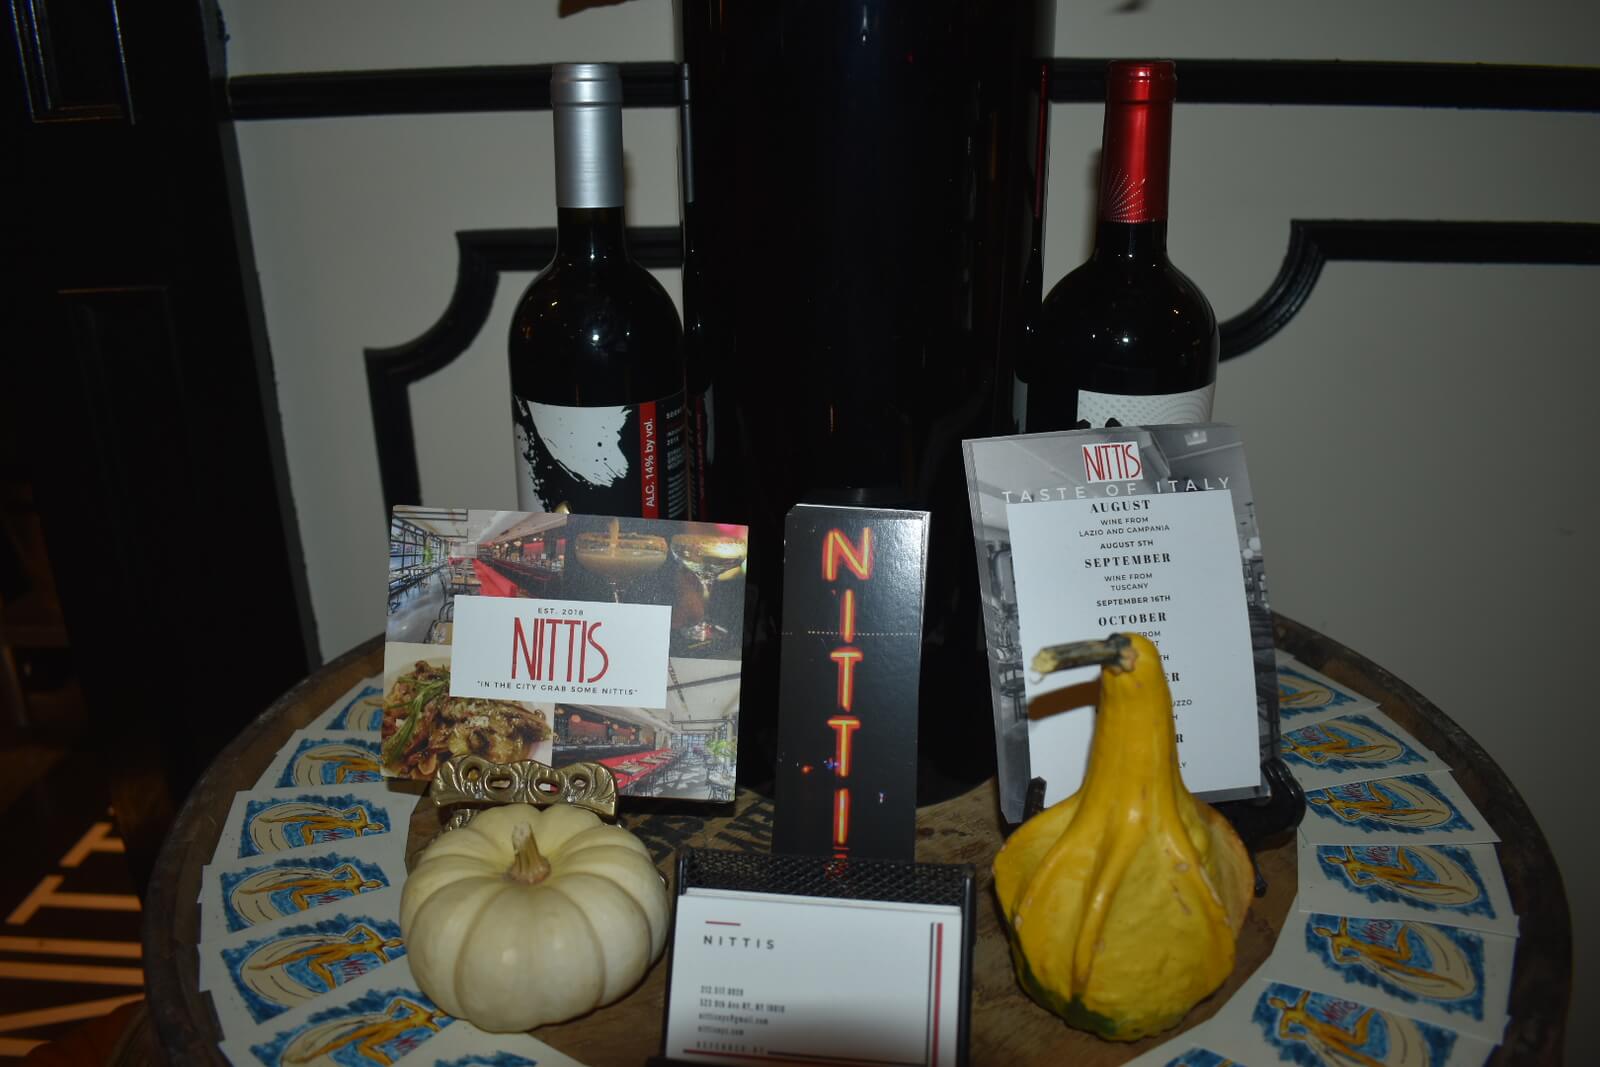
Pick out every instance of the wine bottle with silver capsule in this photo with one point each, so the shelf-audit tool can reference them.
(597, 373)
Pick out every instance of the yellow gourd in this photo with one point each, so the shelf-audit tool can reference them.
(1123, 902)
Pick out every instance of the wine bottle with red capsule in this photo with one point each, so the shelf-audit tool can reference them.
(1126, 338)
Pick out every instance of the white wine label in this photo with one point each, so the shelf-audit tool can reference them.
(1100, 408)
(619, 460)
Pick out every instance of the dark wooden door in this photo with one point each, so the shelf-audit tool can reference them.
(137, 371)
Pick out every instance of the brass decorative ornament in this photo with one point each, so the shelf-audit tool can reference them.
(465, 785)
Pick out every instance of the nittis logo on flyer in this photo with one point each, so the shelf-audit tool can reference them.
(1114, 461)
(523, 648)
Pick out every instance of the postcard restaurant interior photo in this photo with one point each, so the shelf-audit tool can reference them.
(685, 748)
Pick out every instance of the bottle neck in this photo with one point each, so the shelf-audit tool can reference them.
(1133, 242)
(589, 216)
(1135, 161)
(597, 235)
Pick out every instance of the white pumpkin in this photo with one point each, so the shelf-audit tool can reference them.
(526, 916)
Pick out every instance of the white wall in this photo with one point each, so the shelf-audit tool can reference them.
(1414, 433)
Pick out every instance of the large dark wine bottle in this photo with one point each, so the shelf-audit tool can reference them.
(866, 180)
(701, 452)
(1126, 337)
(597, 376)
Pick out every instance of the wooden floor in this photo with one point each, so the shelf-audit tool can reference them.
(69, 945)
(69, 942)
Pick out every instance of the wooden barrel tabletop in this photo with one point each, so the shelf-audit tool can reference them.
(1006, 1026)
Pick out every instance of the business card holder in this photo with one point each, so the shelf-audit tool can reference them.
(947, 884)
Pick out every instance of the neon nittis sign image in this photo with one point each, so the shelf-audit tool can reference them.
(836, 548)
(848, 703)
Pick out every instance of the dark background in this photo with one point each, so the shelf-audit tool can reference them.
(137, 391)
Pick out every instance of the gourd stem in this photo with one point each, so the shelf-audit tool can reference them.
(1116, 649)
(528, 865)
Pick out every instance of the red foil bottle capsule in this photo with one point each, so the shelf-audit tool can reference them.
(1136, 148)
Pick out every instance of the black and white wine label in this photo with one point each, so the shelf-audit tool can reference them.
(1157, 410)
(626, 459)
(701, 451)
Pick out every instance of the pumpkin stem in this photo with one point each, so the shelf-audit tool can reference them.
(528, 866)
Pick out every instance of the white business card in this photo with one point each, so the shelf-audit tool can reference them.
(761, 977)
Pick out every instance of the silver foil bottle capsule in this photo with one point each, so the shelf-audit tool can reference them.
(586, 100)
